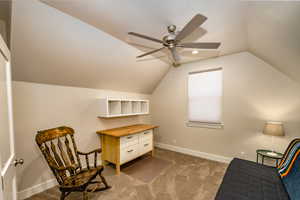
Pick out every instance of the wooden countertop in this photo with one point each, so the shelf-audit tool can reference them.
(126, 130)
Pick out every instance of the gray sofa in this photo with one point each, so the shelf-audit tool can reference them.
(246, 180)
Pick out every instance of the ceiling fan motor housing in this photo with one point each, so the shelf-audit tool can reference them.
(169, 40)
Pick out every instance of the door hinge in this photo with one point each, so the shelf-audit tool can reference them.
(2, 183)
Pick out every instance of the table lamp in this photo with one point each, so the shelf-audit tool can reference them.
(273, 129)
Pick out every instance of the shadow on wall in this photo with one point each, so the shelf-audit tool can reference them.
(279, 109)
(35, 171)
(252, 137)
(117, 122)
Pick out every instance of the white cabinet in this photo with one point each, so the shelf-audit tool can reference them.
(146, 135)
(129, 153)
(129, 140)
(145, 146)
(122, 144)
(126, 107)
(112, 107)
(133, 146)
(144, 107)
(136, 107)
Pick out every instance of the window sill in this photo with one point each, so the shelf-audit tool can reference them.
(205, 125)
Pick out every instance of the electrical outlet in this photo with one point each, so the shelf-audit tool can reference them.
(243, 154)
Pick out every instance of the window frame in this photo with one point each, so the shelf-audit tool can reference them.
(199, 124)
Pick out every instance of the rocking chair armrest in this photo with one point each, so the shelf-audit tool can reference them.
(71, 167)
(86, 155)
(94, 151)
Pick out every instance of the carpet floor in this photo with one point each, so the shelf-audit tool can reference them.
(167, 176)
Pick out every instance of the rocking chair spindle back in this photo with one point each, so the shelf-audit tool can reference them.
(60, 151)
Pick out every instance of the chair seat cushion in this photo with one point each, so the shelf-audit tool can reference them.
(246, 180)
(83, 177)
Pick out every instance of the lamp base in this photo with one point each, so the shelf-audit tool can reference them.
(272, 153)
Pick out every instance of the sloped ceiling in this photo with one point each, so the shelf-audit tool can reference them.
(51, 47)
(85, 43)
(226, 20)
(274, 34)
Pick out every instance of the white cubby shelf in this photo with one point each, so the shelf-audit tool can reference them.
(114, 107)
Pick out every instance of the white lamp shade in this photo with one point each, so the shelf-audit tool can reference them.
(274, 128)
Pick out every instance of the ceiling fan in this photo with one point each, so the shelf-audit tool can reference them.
(173, 39)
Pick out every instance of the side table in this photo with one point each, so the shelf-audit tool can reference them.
(269, 154)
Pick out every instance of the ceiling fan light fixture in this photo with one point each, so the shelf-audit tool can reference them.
(195, 52)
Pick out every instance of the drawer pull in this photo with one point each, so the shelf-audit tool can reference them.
(146, 145)
(130, 151)
(129, 137)
(145, 133)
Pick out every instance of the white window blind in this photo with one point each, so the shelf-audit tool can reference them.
(205, 96)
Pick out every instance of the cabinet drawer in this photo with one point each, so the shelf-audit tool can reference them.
(146, 135)
(128, 153)
(145, 146)
(129, 140)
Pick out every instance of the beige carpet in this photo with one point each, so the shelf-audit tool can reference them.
(184, 178)
(146, 168)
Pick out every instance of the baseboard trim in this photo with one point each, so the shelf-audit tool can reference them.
(191, 152)
(36, 189)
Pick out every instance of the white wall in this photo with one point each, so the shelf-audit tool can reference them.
(40, 106)
(254, 92)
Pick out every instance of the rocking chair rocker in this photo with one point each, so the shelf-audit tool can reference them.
(60, 151)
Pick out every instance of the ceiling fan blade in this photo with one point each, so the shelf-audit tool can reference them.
(174, 55)
(191, 26)
(145, 37)
(140, 46)
(201, 45)
(154, 58)
(151, 52)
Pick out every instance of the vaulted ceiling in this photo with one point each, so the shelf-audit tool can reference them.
(51, 47)
(274, 34)
(85, 43)
(226, 21)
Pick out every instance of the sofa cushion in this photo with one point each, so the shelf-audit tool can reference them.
(246, 180)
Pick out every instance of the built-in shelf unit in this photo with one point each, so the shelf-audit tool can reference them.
(114, 107)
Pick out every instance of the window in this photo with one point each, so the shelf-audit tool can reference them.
(205, 98)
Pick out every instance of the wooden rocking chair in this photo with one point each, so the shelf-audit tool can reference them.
(59, 149)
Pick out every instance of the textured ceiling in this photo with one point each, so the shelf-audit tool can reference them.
(85, 43)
